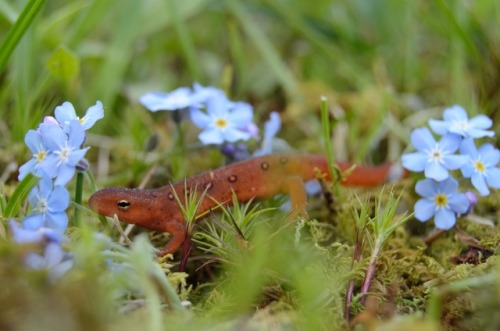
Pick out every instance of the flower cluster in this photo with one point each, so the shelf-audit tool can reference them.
(436, 159)
(57, 154)
(222, 121)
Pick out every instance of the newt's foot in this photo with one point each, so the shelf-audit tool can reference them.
(298, 212)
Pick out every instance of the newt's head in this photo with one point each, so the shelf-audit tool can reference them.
(133, 206)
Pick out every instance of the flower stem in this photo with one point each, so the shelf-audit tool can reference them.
(370, 271)
(78, 196)
(358, 250)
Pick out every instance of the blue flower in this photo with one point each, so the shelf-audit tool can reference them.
(440, 199)
(202, 93)
(54, 259)
(456, 121)
(235, 151)
(40, 235)
(49, 204)
(224, 120)
(432, 157)
(65, 113)
(33, 140)
(271, 128)
(482, 167)
(472, 198)
(65, 151)
(180, 98)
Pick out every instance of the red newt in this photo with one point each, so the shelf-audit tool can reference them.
(257, 178)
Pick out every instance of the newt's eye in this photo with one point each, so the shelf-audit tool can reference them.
(123, 204)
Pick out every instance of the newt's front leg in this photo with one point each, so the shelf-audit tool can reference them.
(294, 186)
(178, 231)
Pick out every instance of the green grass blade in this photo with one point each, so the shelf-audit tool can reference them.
(265, 47)
(185, 40)
(20, 194)
(17, 31)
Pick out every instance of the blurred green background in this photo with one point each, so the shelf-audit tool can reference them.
(386, 66)
(280, 55)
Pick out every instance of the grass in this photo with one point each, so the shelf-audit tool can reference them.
(369, 71)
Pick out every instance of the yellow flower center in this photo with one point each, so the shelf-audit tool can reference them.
(221, 123)
(479, 166)
(441, 200)
(40, 156)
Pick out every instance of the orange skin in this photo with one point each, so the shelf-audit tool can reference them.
(257, 178)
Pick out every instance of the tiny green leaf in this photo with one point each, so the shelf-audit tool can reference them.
(20, 194)
(64, 64)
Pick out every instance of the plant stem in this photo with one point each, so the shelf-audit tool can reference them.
(78, 196)
(370, 271)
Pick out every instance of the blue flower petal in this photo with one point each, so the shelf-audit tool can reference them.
(65, 113)
(202, 93)
(450, 142)
(476, 133)
(458, 203)
(34, 261)
(28, 167)
(241, 115)
(94, 113)
(66, 172)
(448, 186)
(233, 135)
(444, 219)
(455, 113)
(177, 99)
(480, 184)
(272, 126)
(211, 136)
(75, 156)
(34, 222)
(436, 171)
(453, 162)
(468, 170)
(424, 209)
(422, 139)
(482, 122)
(414, 161)
(76, 134)
(51, 165)
(53, 137)
(199, 118)
(493, 178)
(440, 127)
(34, 141)
(59, 199)
(45, 186)
(489, 154)
(467, 146)
(53, 255)
(218, 105)
(23, 236)
(426, 188)
(57, 221)
(154, 101)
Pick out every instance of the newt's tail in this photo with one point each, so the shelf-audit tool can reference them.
(358, 175)
(372, 176)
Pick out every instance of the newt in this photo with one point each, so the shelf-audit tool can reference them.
(257, 178)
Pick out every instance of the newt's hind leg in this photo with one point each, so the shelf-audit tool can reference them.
(178, 231)
(294, 185)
